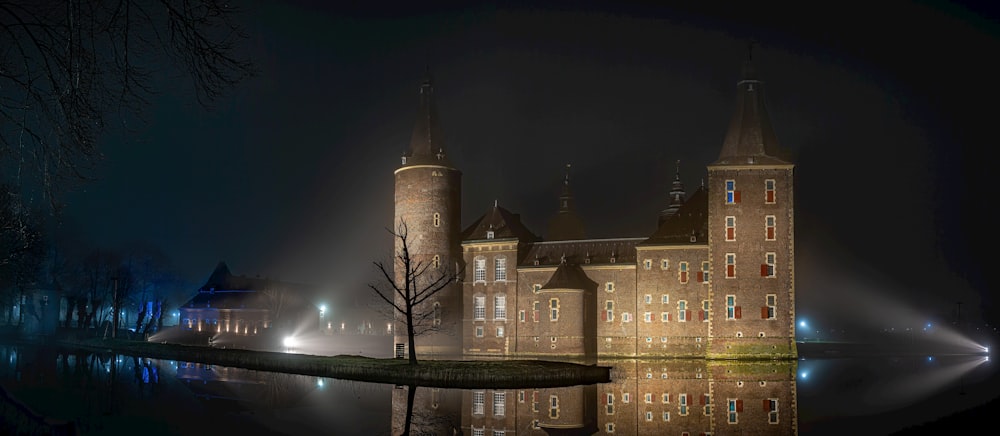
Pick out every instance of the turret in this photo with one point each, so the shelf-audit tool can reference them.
(428, 201)
(751, 234)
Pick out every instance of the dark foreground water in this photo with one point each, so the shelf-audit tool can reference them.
(113, 394)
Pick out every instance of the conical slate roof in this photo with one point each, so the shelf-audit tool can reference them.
(427, 142)
(750, 139)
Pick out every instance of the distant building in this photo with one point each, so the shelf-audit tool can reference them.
(716, 279)
(245, 311)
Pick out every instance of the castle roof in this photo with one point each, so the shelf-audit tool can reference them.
(502, 223)
(750, 139)
(584, 251)
(427, 142)
(689, 225)
(223, 290)
(569, 276)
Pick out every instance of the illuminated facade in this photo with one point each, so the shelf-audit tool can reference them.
(716, 279)
(244, 311)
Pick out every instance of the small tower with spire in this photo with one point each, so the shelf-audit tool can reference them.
(566, 225)
(428, 191)
(751, 234)
(677, 196)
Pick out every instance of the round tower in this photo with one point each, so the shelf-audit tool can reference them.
(428, 208)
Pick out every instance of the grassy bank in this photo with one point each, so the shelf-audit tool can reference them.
(492, 374)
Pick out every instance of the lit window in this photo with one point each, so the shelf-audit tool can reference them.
(499, 432)
(734, 407)
(682, 273)
(437, 219)
(609, 405)
(479, 307)
(769, 223)
(489, 234)
(609, 286)
(553, 407)
(730, 228)
(609, 311)
(480, 271)
(730, 265)
(554, 309)
(478, 431)
(767, 268)
(436, 261)
(647, 264)
(478, 402)
(682, 310)
(769, 311)
(499, 331)
(664, 264)
(499, 306)
(732, 195)
(500, 269)
(647, 317)
(499, 403)
(769, 191)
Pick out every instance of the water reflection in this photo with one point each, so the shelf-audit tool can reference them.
(105, 393)
(645, 397)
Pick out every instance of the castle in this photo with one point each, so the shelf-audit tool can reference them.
(715, 280)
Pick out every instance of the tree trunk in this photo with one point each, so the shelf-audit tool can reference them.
(409, 333)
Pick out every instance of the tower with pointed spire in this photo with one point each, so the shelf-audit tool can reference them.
(677, 196)
(428, 190)
(751, 234)
(566, 225)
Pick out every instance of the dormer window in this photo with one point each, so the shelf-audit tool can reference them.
(489, 234)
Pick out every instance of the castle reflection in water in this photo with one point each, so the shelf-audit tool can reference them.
(645, 397)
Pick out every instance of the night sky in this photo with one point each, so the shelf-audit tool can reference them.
(889, 113)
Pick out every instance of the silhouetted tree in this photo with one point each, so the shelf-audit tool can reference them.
(406, 293)
(70, 68)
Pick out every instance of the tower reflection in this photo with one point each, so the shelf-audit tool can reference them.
(645, 397)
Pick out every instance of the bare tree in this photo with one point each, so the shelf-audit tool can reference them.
(407, 292)
(69, 68)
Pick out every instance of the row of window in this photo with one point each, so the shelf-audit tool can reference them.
(684, 313)
(499, 269)
(682, 271)
(733, 196)
(769, 228)
(766, 268)
(734, 406)
(500, 403)
(499, 307)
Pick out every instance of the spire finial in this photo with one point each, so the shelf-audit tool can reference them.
(677, 175)
(496, 202)
(750, 50)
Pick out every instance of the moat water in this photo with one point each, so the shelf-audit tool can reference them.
(104, 394)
